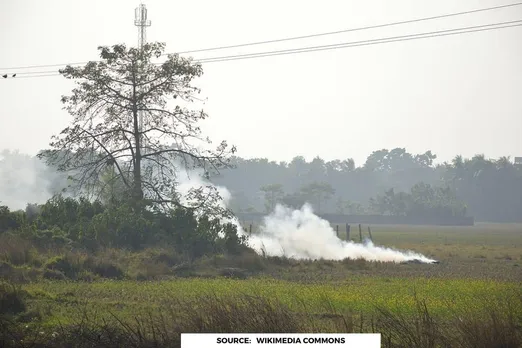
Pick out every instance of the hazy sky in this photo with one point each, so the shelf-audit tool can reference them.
(452, 95)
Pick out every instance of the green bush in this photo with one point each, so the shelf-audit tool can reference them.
(11, 299)
(53, 275)
(63, 265)
(68, 223)
(6, 270)
(169, 257)
(103, 268)
(16, 250)
(53, 237)
(9, 220)
(122, 227)
(204, 236)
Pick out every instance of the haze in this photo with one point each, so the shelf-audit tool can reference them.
(451, 95)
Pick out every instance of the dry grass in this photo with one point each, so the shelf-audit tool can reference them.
(162, 327)
(477, 252)
(455, 307)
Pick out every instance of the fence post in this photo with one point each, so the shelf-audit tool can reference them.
(370, 233)
(337, 230)
(347, 232)
(360, 233)
(250, 230)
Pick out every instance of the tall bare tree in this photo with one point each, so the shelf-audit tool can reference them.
(106, 135)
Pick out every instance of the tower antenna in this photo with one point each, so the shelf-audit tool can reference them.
(141, 21)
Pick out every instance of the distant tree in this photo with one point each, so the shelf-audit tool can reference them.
(356, 208)
(377, 161)
(294, 200)
(239, 202)
(105, 133)
(317, 169)
(273, 194)
(317, 193)
(399, 159)
(340, 166)
(426, 159)
(387, 203)
(490, 189)
(504, 163)
(340, 206)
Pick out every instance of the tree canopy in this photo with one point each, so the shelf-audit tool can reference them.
(108, 142)
(487, 189)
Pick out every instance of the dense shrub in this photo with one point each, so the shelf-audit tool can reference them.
(16, 250)
(64, 265)
(9, 220)
(103, 268)
(66, 222)
(11, 299)
(53, 274)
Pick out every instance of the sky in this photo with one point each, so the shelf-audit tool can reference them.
(452, 95)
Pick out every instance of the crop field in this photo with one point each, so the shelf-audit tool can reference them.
(483, 260)
(359, 294)
(479, 276)
(483, 251)
(491, 242)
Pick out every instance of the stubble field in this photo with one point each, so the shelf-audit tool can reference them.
(479, 276)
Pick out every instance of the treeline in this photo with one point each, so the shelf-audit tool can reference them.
(81, 224)
(390, 182)
(422, 203)
(393, 182)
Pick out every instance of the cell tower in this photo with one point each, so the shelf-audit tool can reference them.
(141, 21)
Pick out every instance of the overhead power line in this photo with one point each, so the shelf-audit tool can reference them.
(439, 33)
(352, 29)
(446, 32)
(299, 37)
(42, 75)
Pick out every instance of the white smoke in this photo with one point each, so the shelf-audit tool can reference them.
(194, 179)
(300, 234)
(25, 179)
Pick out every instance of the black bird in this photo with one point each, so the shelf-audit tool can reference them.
(4, 76)
(14, 75)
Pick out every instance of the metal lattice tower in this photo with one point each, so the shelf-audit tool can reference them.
(141, 21)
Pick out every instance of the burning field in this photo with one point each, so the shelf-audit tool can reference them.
(300, 234)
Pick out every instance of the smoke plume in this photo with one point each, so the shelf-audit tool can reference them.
(194, 179)
(26, 179)
(300, 234)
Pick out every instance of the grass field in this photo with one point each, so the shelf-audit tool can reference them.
(479, 279)
(483, 251)
(360, 294)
